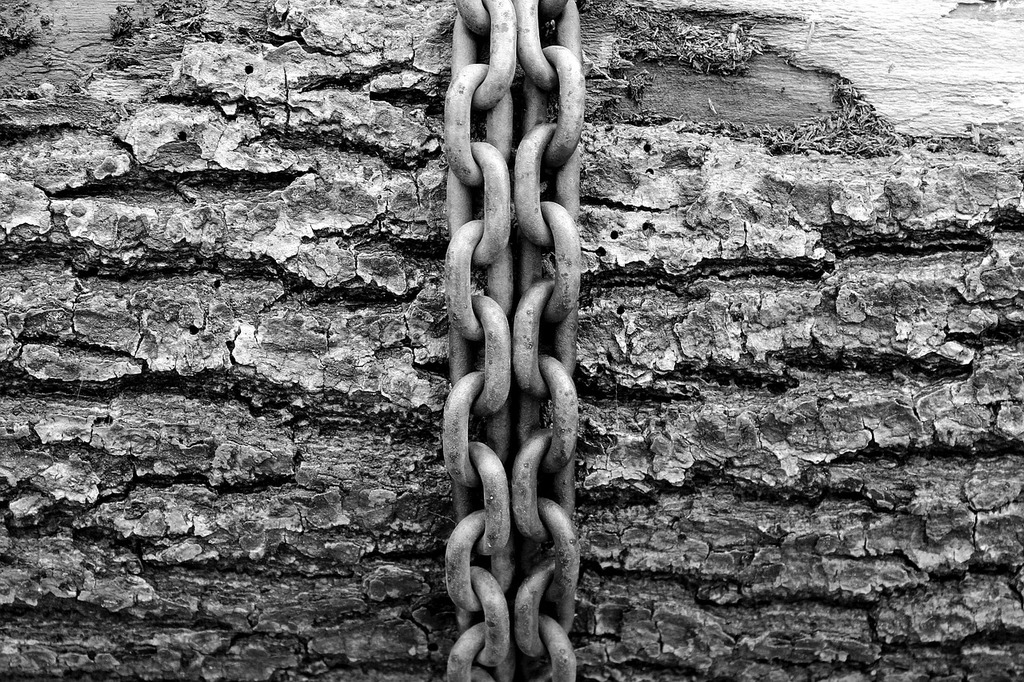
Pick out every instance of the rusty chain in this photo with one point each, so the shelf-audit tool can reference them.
(539, 349)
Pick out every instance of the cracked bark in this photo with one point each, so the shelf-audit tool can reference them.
(223, 344)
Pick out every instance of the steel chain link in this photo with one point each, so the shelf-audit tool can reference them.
(479, 326)
(546, 319)
(539, 500)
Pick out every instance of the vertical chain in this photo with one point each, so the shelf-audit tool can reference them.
(479, 562)
(539, 350)
(544, 336)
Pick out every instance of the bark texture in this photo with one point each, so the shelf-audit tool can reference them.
(223, 354)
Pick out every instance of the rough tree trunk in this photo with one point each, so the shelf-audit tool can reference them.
(223, 341)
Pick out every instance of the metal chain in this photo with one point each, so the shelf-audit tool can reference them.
(546, 319)
(541, 497)
(480, 484)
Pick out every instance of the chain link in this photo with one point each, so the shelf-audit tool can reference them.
(479, 558)
(546, 319)
(533, 493)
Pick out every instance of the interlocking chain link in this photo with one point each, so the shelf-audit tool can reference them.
(480, 484)
(544, 335)
(539, 349)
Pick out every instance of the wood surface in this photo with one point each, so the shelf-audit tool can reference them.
(223, 354)
(930, 67)
(71, 38)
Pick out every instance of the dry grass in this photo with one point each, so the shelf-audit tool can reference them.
(660, 36)
(855, 130)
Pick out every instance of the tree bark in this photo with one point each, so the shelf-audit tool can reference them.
(223, 345)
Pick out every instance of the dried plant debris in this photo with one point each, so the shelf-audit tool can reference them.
(706, 45)
(636, 87)
(19, 27)
(185, 15)
(856, 129)
(124, 23)
(722, 46)
(982, 140)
